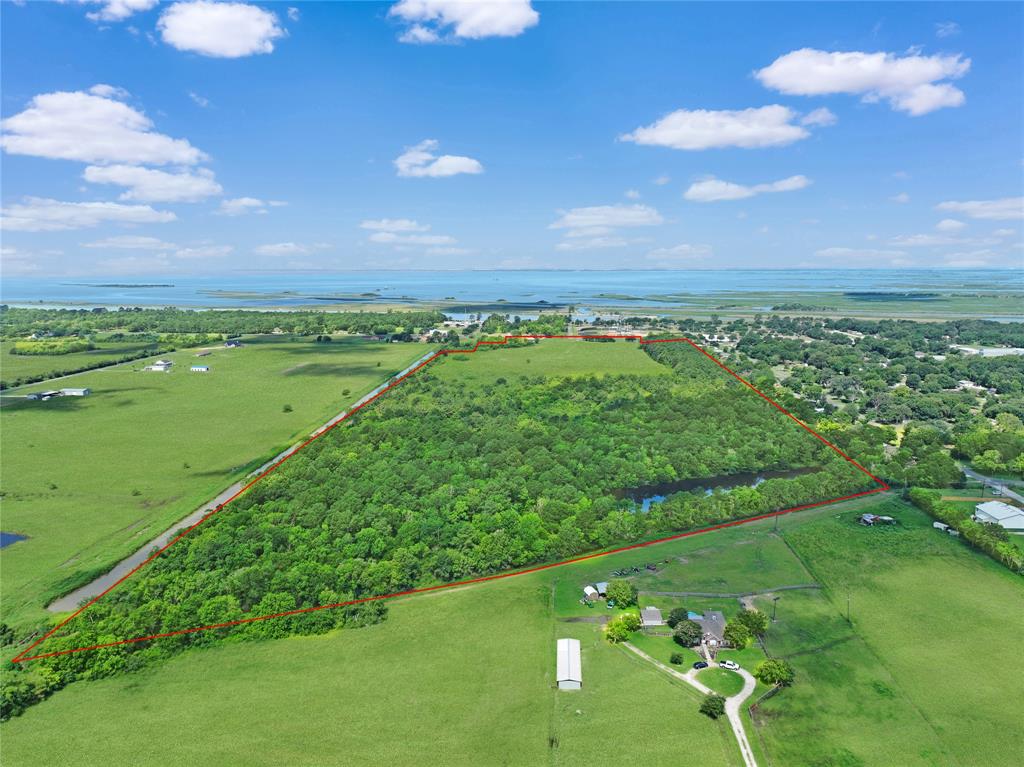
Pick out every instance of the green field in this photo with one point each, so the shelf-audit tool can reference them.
(468, 673)
(90, 479)
(22, 366)
(554, 358)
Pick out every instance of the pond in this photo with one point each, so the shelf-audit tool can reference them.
(645, 495)
(6, 539)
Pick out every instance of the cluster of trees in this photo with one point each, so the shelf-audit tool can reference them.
(544, 325)
(991, 539)
(994, 446)
(21, 322)
(775, 672)
(51, 346)
(443, 480)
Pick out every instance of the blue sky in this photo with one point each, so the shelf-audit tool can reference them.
(199, 137)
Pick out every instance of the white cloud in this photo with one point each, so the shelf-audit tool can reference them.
(901, 198)
(592, 243)
(118, 10)
(820, 117)
(130, 242)
(148, 185)
(610, 216)
(685, 252)
(220, 30)
(449, 251)
(950, 225)
(1004, 209)
(420, 161)
(38, 214)
(946, 29)
(1004, 233)
(935, 240)
(595, 227)
(92, 127)
(293, 14)
(632, 194)
(200, 100)
(912, 83)
(714, 190)
(391, 238)
(394, 225)
(435, 21)
(707, 129)
(204, 251)
(240, 206)
(856, 256)
(661, 180)
(289, 248)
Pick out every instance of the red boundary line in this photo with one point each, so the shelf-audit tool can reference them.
(23, 656)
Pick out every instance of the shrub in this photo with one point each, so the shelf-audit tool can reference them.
(687, 633)
(713, 706)
(677, 659)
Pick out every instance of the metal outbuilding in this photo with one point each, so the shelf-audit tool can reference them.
(569, 666)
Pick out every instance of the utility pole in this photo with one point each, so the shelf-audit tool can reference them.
(775, 604)
(848, 608)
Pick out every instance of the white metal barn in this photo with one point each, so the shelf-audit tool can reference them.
(570, 667)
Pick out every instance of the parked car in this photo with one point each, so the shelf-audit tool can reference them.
(730, 664)
(700, 664)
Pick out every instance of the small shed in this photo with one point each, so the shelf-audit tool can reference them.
(940, 526)
(602, 588)
(590, 593)
(651, 616)
(868, 520)
(75, 392)
(200, 369)
(232, 344)
(569, 667)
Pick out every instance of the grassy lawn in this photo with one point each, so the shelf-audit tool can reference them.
(90, 479)
(721, 680)
(20, 366)
(550, 357)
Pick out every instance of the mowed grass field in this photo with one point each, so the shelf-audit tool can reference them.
(89, 479)
(549, 357)
(20, 366)
(467, 675)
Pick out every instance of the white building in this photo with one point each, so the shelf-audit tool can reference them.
(160, 366)
(75, 392)
(589, 592)
(200, 369)
(569, 666)
(1006, 516)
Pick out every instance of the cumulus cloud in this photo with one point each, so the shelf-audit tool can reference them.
(94, 127)
(130, 242)
(677, 254)
(393, 238)
(289, 248)
(714, 190)
(394, 225)
(608, 217)
(240, 206)
(820, 117)
(37, 214)
(421, 161)
(220, 30)
(118, 10)
(596, 227)
(148, 185)
(1003, 209)
(699, 129)
(435, 21)
(913, 83)
(950, 225)
(204, 251)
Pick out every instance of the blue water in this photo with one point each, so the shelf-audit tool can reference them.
(694, 616)
(6, 539)
(523, 287)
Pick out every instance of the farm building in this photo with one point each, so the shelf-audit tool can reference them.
(43, 395)
(590, 593)
(569, 667)
(1006, 516)
(203, 354)
(75, 392)
(232, 344)
(602, 588)
(870, 520)
(160, 366)
(200, 369)
(651, 616)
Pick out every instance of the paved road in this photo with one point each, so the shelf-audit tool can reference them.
(1002, 484)
(71, 601)
(732, 703)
